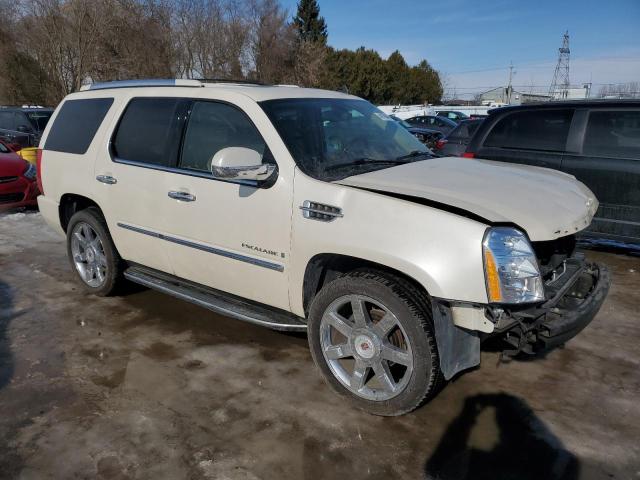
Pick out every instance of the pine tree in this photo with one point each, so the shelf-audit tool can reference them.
(310, 25)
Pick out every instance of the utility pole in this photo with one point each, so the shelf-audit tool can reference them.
(509, 87)
(559, 88)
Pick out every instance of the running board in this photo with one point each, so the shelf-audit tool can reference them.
(217, 301)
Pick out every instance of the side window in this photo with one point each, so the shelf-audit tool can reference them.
(76, 124)
(613, 134)
(22, 123)
(533, 130)
(149, 131)
(213, 126)
(6, 120)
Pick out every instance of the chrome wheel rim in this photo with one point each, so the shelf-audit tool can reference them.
(366, 348)
(88, 255)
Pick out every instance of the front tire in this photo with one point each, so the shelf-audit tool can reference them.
(92, 254)
(372, 338)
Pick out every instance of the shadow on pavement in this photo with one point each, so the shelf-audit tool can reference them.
(497, 436)
(6, 316)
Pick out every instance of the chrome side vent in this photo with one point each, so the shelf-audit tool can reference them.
(320, 211)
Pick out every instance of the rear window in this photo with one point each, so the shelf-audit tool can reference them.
(534, 130)
(76, 124)
(149, 131)
(465, 130)
(613, 134)
(39, 119)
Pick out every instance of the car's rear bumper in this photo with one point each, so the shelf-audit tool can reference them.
(573, 306)
(50, 211)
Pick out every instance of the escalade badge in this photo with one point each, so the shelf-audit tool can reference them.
(263, 250)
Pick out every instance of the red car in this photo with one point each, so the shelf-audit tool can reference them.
(18, 187)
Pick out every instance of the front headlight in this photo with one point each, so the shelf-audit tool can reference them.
(30, 172)
(510, 267)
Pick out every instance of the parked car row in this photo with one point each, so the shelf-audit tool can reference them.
(427, 136)
(23, 126)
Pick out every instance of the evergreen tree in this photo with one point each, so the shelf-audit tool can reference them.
(310, 25)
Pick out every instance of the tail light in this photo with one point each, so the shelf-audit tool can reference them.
(39, 170)
(469, 155)
(440, 144)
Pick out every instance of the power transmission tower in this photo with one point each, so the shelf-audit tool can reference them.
(560, 84)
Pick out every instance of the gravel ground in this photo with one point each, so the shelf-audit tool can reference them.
(146, 386)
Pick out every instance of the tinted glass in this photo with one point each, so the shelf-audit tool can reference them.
(465, 130)
(613, 134)
(76, 124)
(335, 138)
(39, 119)
(4, 149)
(6, 120)
(534, 130)
(149, 131)
(213, 126)
(23, 124)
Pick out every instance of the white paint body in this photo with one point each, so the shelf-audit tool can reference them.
(440, 250)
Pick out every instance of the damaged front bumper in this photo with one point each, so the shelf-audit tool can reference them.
(574, 294)
(574, 297)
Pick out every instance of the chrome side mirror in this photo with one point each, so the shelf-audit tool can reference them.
(239, 163)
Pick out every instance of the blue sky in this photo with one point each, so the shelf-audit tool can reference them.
(472, 42)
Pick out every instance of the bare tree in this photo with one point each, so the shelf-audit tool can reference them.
(271, 42)
(210, 38)
(621, 90)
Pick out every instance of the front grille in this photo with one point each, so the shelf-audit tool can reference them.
(11, 197)
(8, 179)
(552, 253)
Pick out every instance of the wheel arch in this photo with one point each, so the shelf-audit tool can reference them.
(322, 268)
(458, 349)
(71, 203)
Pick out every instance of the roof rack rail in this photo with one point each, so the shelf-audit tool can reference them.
(230, 80)
(153, 82)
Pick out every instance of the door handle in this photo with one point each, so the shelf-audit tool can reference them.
(182, 196)
(107, 179)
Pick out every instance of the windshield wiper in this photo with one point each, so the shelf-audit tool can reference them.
(415, 153)
(365, 161)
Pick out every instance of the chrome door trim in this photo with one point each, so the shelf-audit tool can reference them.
(206, 248)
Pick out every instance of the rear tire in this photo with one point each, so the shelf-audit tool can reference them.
(92, 254)
(371, 336)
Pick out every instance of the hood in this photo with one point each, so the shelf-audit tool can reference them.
(11, 165)
(546, 203)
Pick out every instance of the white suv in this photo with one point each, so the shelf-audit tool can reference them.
(311, 210)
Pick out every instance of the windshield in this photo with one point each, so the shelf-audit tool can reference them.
(331, 139)
(39, 119)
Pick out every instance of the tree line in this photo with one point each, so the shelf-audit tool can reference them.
(50, 48)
